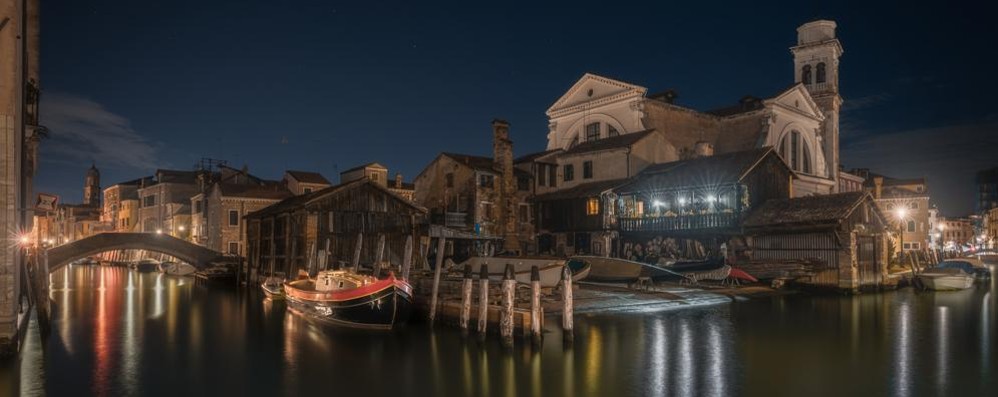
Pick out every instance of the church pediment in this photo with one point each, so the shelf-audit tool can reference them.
(595, 90)
(798, 99)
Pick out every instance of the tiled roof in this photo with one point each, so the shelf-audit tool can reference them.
(371, 164)
(294, 202)
(532, 156)
(620, 141)
(711, 170)
(481, 163)
(805, 211)
(309, 177)
(584, 190)
(271, 190)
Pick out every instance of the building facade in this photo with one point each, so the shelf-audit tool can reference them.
(905, 204)
(165, 202)
(957, 233)
(121, 205)
(487, 197)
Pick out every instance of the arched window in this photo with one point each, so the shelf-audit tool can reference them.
(796, 153)
(805, 74)
(819, 76)
(911, 226)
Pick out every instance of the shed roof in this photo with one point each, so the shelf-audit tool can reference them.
(702, 171)
(584, 190)
(616, 142)
(308, 177)
(806, 211)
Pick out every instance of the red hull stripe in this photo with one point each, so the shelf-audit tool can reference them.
(355, 293)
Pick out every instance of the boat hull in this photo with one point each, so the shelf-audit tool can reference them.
(946, 283)
(549, 268)
(616, 270)
(145, 267)
(177, 269)
(384, 309)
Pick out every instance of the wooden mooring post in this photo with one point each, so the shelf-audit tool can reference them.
(567, 303)
(506, 315)
(536, 311)
(483, 300)
(466, 298)
(379, 255)
(407, 258)
(436, 278)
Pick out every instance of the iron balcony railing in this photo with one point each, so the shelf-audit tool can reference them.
(681, 222)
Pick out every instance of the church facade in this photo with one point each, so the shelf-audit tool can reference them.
(801, 122)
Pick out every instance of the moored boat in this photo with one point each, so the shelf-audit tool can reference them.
(145, 266)
(616, 270)
(550, 268)
(176, 269)
(273, 287)
(344, 298)
(945, 279)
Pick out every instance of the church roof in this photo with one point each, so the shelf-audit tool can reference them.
(617, 142)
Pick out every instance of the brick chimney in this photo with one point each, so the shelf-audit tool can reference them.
(502, 157)
(878, 184)
(398, 180)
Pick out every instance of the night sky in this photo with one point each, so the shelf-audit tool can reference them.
(323, 86)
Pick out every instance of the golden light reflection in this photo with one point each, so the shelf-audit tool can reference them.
(509, 375)
(535, 373)
(594, 357)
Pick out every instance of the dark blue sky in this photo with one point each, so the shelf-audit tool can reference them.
(140, 85)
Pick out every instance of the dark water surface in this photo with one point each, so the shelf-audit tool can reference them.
(116, 332)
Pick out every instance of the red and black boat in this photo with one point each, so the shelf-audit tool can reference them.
(344, 298)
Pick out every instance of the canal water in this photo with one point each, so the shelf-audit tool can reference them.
(117, 332)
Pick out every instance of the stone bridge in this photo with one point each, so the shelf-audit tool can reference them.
(198, 256)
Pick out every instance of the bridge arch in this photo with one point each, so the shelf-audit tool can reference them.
(198, 256)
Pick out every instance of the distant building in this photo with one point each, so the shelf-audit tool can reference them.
(987, 190)
(165, 202)
(905, 204)
(121, 205)
(487, 197)
(304, 182)
(991, 229)
(849, 182)
(379, 174)
(957, 232)
(91, 187)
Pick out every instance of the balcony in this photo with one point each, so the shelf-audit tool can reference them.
(679, 223)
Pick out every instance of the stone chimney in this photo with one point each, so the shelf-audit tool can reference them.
(502, 157)
(878, 184)
(398, 180)
(703, 149)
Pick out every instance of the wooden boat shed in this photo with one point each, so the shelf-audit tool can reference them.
(841, 235)
(285, 234)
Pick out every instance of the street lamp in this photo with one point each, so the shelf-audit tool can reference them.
(901, 213)
(159, 231)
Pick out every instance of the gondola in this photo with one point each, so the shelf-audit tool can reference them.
(345, 298)
(616, 270)
(273, 288)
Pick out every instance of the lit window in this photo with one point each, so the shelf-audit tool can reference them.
(592, 206)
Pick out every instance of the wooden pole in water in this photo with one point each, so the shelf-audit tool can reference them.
(483, 299)
(436, 278)
(536, 312)
(466, 298)
(407, 258)
(567, 303)
(356, 251)
(506, 316)
(325, 256)
(379, 255)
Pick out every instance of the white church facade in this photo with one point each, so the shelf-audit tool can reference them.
(800, 122)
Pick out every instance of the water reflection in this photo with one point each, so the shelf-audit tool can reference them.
(119, 332)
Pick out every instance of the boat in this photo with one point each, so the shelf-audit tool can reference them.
(549, 267)
(345, 298)
(580, 268)
(696, 266)
(273, 288)
(145, 266)
(945, 279)
(972, 266)
(176, 269)
(215, 274)
(737, 273)
(616, 270)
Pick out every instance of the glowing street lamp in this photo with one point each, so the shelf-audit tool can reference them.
(159, 231)
(901, 213)
(181, 227)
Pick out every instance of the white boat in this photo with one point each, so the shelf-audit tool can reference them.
(946, 279)
(549, 268)
(177, 269)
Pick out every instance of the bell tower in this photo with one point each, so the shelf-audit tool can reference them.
(816, 65)
(91, 187)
